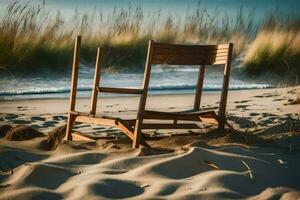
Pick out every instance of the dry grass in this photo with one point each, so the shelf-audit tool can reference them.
(31, 37)
(54, 138)
(276, 50)
(4, 130)
(22, 132)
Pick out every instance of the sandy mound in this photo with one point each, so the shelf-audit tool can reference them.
(196, 173)
(4, 129)
(218, 138)
(22, 132)
(54, 138)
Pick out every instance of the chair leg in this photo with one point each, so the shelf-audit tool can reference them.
(221, 126)
(70, 124)
(221, 123)
(137, 134)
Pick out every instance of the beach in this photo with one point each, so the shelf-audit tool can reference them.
(260, 161)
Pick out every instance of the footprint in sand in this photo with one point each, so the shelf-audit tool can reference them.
(82, 125)
(21, 121)
(268, 115)
(116, 189)
(22, 108)
(59, 117)
(37, 118)
(49, 123)
(280, 99)
(244, 101)
(242, 106)
(11, 116)
(266, 95)
(99, 128)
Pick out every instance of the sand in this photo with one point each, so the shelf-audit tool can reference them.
(261, 162)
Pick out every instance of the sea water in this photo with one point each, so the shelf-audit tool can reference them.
(164, 80)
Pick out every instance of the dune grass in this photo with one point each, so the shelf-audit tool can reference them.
(276, 50)
(31, 38)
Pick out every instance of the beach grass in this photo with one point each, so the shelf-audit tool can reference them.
(32, 38)
(275, 50)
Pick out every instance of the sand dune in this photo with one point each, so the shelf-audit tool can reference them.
(188, 173)
(263, 164)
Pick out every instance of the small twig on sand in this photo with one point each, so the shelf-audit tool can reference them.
(210, 164)
(249, 170)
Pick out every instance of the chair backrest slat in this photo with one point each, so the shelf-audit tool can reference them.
(176, 54)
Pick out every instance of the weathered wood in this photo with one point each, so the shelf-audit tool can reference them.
(158, 53)
(188, 60)
(224, 94)
(140, 115)
(79, 137)
(96, 82)
(76, 113)
(209, 120)
(203, 53)
(96, 120)
(73, 87)
(120, 90)
(129, 131)
(169, 126)
(199, 88)
(187, 47)
(188, 116)
(175, 54)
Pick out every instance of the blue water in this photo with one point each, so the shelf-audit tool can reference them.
(164, 80)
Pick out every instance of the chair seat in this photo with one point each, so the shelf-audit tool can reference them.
(189, 115)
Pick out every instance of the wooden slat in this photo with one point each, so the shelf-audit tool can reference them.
(219, 52)
(189, 47)
(175, 54)
(142, 104)
(195, 57)
(224, 94)
(129, 131)
(188, 60)
(96, 82)
(79, 113)
(199, 88)
(95, 120)
(169, 126)
(189, 116)
(120, 90)
(79, 137)
(209, 120)
(73, 92)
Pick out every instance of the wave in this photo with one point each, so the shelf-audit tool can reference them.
(57, 90)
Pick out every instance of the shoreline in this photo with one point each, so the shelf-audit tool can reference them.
(246, 109)
(152, 92)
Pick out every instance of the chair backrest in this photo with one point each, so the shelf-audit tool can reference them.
(177, 54)
(199, 55)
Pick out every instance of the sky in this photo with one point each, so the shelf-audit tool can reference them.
(180, 7)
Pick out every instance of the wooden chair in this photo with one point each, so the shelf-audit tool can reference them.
(158, 53)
